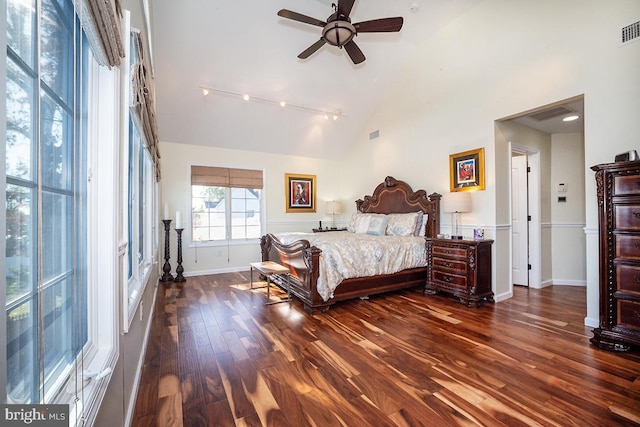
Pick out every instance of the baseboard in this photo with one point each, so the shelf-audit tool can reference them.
(216, 271)
(503, 296)
(569, 282)
(593, 323)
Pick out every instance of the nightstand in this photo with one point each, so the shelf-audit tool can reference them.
(324, 230)
(461, 268)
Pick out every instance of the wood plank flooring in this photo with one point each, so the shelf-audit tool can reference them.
(217, 356)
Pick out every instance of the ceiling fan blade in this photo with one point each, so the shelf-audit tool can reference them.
(301, 18)
(345, 6)
(383, 25)
(311, 49)
(354, 52)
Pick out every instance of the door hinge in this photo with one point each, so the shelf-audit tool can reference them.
(528, 266)
(528, 168)
(528, 217)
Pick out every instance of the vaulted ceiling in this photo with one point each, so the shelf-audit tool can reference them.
(238, 47)
(244, 47)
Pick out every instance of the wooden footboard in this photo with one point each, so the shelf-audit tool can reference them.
(302, 259)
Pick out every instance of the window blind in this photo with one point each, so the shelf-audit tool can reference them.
(101, 22)
(226, 177)
(142, 106)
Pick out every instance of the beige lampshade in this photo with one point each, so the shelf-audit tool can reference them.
(333, 207)
(456, 202)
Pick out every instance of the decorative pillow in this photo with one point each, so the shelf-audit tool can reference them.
(423, 225)
(362, 223)
(402, 224)
(377, 224)
(416, 232)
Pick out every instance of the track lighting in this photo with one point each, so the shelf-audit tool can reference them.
(335, 114)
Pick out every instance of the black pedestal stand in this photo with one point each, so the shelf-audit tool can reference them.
(166, 277)
(179, 268)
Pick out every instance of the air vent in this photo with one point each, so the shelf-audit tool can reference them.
(374, 135)
(630, 33)
(551, 113)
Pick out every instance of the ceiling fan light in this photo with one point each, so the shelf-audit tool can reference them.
(338, 33)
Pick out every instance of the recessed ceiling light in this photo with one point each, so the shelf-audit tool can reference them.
(570, 118)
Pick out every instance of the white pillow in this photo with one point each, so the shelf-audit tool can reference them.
(362, 223)
(352, 223)
(402, 224)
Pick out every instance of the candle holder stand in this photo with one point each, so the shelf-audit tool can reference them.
(166, 277)
(179, 269)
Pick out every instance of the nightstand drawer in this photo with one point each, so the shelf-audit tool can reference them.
(452, 265)
(450, 279)
(449, 252)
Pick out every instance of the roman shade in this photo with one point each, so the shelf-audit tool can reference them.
(142, 107)
(101, 22)
(226, 177)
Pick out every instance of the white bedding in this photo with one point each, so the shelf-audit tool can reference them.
(347, 255)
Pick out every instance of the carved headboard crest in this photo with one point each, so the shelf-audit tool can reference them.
(395, 196)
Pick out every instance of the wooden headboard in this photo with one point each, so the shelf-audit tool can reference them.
(394, 196)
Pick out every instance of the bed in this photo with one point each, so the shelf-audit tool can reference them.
(304, 258)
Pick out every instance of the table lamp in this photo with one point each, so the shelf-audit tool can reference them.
(456, 203)
(333, 208)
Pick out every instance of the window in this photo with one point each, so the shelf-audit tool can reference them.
(139, 176)
(225, 204)
(46, 208)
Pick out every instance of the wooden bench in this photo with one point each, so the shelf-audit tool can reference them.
(269, 268)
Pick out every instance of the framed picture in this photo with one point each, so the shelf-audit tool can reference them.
(301, 192)
(467, 170)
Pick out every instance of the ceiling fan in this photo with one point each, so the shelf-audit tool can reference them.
(339, 31)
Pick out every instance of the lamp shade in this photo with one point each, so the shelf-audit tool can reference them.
(457, 202)
(334, 207)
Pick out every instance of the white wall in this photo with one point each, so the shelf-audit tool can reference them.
(501, 58)
(177, 160)
(568, 218)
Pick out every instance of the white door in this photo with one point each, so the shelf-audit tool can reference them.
(519, 222)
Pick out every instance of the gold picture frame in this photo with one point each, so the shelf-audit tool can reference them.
(466, 170)
(300, 192)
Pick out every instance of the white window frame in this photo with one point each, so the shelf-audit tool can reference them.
(133, 287)
(100, 353)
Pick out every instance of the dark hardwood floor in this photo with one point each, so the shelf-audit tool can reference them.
(217, 356)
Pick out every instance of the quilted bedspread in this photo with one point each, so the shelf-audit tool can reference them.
(347, 255)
